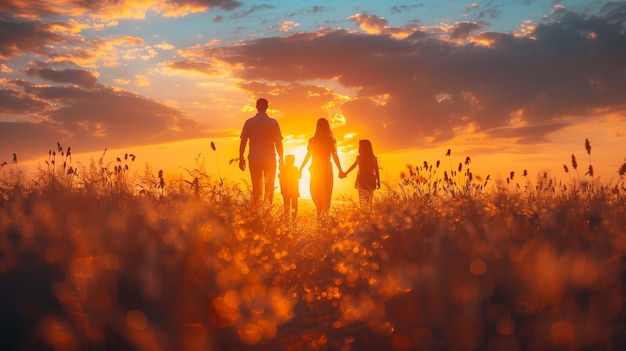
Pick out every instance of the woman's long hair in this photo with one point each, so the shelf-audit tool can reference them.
(367, 159)
(323, 132)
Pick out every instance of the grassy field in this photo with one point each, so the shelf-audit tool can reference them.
(97, 257)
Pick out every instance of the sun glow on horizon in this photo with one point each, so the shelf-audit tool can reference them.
(134, 75)
(305, 178)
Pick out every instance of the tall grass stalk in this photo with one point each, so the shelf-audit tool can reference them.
(102, 259)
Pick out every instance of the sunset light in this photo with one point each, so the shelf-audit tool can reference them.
(465, 189)
(158, 73)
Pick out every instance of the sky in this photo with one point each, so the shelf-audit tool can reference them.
(514, 85)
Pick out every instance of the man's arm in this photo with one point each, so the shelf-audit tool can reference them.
(279, 150)
(278, 142)
(242, 148)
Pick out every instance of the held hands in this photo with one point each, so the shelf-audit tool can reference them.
(342, 174)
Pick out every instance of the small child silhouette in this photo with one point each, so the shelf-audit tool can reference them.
(289, 178)
(368, 176)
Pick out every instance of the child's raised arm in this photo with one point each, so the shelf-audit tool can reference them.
(356, 163)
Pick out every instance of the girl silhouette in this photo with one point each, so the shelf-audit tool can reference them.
(368, 176)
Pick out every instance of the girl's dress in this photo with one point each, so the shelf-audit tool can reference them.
(366, 175)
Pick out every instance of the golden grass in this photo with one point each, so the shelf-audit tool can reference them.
(101, 258)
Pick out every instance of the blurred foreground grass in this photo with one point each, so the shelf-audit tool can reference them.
(97, 259)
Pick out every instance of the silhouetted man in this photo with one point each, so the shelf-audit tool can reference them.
(265, 139)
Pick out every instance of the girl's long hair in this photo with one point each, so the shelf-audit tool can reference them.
(367, 159)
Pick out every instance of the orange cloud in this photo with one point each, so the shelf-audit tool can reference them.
(96, 118)
(409, 86)
(378, 25)
(164, 46)
(142, 81)
(287, 26)
(111, 10)
(370, 24)
(483, 86)
(75, 76)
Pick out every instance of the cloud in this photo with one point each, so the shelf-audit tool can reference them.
(318, 9)
(570, 65)
(18, 103)
(463, 30)
(165, 46)
(142, 81)
(74, 76)
(471, 7)
(20, 37)
(41, 136)
(50, 41)
(94, 118)
(249, 11)
(370, 24)
(405, 8)
(193, 66)
(407, 86)
(112, 10)
(378, 25)
(287, 26)
(174, 8)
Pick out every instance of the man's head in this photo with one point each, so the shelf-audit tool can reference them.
(261, 105)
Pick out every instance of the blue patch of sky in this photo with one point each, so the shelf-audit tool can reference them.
(263, 18)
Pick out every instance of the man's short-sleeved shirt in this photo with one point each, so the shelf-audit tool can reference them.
(263, 133)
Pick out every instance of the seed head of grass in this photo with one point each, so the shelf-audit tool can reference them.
(622, 170)
(588, 146)
(574, 163)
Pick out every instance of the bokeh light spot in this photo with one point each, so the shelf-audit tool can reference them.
(562, 332)
(478, 266)
(136, 320)
(505, 326)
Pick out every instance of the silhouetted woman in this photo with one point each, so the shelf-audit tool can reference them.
(322, 147)
(368, 175)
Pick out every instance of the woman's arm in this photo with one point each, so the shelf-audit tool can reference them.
(336, 159)
(305, 161)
